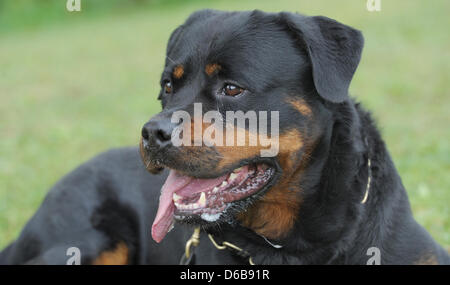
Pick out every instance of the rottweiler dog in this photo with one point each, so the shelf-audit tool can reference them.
(330, 194)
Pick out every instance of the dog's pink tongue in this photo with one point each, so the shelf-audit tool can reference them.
(176, 182)
(164, 216)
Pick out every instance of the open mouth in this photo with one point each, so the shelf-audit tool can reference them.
(183, 196)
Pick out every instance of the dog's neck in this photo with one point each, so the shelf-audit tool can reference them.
(331, 215)
(333, 186)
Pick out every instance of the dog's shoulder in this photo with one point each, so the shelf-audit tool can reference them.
(105, 202)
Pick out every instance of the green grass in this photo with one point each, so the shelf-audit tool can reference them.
(72, 88)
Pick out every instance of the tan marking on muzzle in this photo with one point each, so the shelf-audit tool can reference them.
(274, 215)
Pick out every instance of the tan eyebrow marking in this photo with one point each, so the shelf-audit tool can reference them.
(178, 71)
(210, 69)
(301, 106)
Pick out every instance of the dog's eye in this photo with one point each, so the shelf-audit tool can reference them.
(232, 90)
(168, 87)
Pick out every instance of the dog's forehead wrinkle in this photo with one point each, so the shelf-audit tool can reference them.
(252, 59)
(221, 34)
(258, 67)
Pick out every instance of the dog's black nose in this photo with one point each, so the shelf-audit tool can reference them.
(157, 132)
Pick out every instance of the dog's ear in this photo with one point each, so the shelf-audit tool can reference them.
(333, 48)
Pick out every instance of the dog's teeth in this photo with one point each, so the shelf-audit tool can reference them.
(184, 207)
(224, 184)
(199, 204)
(202, 200)
(215, 190)
(176, 197)
(232, 176)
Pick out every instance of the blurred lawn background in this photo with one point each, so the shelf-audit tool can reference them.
(75, 84)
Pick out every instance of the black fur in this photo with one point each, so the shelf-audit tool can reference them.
(113, 198)
(333, 49)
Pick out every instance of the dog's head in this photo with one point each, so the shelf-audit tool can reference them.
(244, 98)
